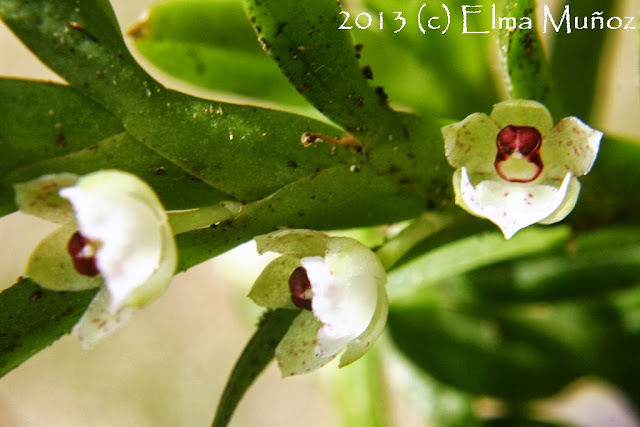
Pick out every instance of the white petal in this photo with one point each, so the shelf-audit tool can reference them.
(129, 234)
(344, 305)
(512, 206)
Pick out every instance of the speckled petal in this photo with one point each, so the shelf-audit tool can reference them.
(472, 143)
(512, 206)
(521, 112)
(571, 146)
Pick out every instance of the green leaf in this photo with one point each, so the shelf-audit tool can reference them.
(453, 72)
(31, 318)
(331, 199)
(81, 41)
(468, 254)
(212, 44)
(519, 354)
(575, 56)
(176, 188)
(599, 262)
(42, 121)
(609, 192)
(523, 54)
(320, 61)
(260, 350)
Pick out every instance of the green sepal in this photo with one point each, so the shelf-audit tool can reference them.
(52, 267)
(296, 243)
(296, 352)
(40, 198)
(271, 288)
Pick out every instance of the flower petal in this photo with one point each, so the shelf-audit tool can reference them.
(298, 243)
(346, 286)
(571, 146)
(271, 288)
(521, 112)
(296, 352)
(39, 197)
(52, 267)
(511, 206)
(472, 143)
(99, 321)
(136, 252)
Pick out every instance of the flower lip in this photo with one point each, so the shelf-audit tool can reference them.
(518, 156)
(83, 253)
(300, 287)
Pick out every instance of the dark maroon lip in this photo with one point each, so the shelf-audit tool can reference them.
(299, 284)
(524, 140)
(83, 264)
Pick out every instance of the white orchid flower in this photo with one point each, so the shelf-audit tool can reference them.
(515, 167)
(339, 284)
(116, 235)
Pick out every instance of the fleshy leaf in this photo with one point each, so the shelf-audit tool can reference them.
(211, 44)
(523, 54)
(31, 318)
(175, 187)
(320, 61)
(271, 288)
(255, 357)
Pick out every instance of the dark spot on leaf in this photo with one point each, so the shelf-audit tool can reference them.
(62, 143)
(360, 102)
(280, 28)
(160, 170)
(292, 164)
(368, 72)
(382, 95)
(36, 295)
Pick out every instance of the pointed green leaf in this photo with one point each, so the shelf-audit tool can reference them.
(321, 62)
(468, 254)
(523, 55)
(255, 357)
(176, 188)
(212, 44)
(332, 199)
(31, 318)
(453, 74)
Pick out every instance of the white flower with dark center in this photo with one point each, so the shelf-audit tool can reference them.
(117, 236)
(339, 284)
(515, 167)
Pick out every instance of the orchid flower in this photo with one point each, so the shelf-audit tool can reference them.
(115, 236)
(339, 285)
(515, 167)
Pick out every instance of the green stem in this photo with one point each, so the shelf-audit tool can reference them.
(422, 227)
(194, 219)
